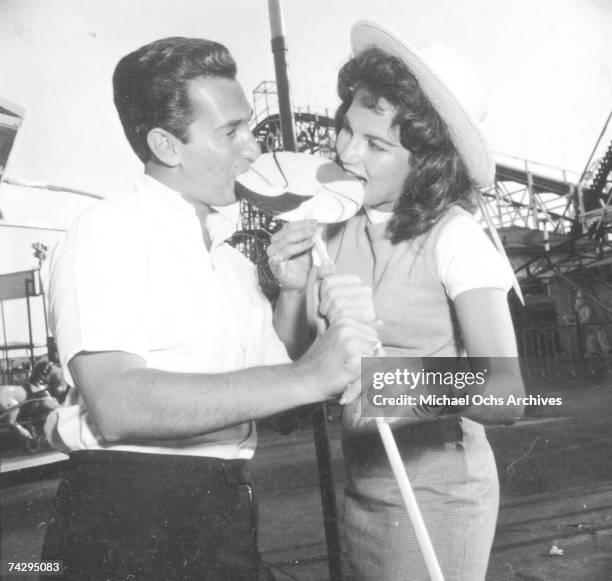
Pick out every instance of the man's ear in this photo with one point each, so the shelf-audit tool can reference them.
(163, 146)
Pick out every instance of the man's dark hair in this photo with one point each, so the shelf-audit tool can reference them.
(151, 86)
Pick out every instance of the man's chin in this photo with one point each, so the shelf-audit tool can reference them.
(228, 198)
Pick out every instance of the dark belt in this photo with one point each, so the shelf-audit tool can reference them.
(433, 433)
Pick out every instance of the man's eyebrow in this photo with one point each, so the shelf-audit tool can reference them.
(233, 123)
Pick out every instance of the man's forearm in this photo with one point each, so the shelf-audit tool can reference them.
(127, 400)
(143, 403)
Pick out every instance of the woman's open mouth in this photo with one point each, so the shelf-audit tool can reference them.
(355, 175)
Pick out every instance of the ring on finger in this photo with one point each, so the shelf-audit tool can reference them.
(376, 345)
(277, 258)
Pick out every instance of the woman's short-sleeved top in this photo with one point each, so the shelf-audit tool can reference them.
(415, 281)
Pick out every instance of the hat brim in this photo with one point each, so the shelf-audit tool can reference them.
(464, 130)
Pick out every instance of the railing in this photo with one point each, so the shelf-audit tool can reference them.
(555, 174)
(14, 376)
(532, 195)
(571, 351)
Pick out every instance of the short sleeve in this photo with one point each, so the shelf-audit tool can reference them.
(272, 350)
(276, 352)
(98, 286)
(467, 259)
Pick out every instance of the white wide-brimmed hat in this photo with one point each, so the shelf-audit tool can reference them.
(451, 85)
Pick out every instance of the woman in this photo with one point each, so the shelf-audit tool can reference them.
(438, 286)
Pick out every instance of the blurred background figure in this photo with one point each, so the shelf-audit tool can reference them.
(596, 342)
(38, 388)
(25, 407)
(11, 399)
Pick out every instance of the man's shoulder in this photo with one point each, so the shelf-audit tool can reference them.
(126, 206)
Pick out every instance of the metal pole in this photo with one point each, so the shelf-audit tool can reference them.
(328, 493)
(44, 301)
(319, 425)
(29, 283)
(544, 223)
(6, 357)
(532, 203)
(281, 68)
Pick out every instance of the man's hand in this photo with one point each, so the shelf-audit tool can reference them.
(289, 254)
(334, 359)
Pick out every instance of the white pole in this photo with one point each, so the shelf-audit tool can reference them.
(429, 556)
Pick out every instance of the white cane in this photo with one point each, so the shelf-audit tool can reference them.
(399, 471)
(427, 550)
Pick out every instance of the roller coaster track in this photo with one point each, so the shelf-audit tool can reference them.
(539, 183)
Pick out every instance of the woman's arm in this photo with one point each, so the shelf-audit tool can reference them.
(487, 331)
(291, 322)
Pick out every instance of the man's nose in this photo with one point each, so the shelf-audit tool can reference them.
(251, 150)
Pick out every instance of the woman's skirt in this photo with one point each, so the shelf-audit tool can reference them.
(452, 471)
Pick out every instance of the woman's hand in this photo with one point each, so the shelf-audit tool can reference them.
(289, 254)
(345, 296)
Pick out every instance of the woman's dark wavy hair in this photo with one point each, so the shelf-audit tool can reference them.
(438, 177)
(151, 86)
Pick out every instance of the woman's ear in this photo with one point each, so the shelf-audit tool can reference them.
(163, 146)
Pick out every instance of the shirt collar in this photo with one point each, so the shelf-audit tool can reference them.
(164, 194)
(221, 223)
(377, 216)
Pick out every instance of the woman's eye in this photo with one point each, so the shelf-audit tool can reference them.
(374, 145)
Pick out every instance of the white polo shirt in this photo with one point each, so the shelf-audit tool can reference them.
(133, 274)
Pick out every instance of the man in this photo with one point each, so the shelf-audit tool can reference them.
(164, 334)
(596, 339)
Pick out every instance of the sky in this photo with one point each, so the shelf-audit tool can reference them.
(547, 65)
